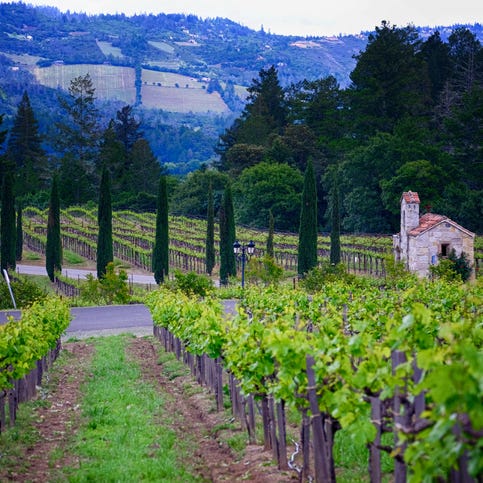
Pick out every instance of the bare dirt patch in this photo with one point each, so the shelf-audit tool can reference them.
(54, 421)
(195, 415)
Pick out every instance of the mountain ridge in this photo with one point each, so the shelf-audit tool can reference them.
(186, 76)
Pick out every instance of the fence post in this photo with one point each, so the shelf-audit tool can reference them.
(322, 466)
(401, 417)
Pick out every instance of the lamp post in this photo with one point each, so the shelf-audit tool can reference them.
(243, 251)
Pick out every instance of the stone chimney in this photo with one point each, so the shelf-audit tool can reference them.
(409, 218)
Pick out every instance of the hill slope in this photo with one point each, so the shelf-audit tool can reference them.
(178, 70)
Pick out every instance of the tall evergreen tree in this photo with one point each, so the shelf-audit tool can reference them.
(390, 82)
(104, 219)
(335, 224)
(264, 115)
(53, 251)
(271, 223)
(19, 238)
(227, 237)
(78, 139)
(7, 225)
(25, 150)
(127, 127)
(210, 232)
(112, 156)
(160, 264)
(307, 248)
(144, 169)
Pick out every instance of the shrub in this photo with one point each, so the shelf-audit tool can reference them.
(453, 268)
(317, 277)
(192, 284)
(24, 291)
(396, 274)
(111, 288)
(265, 270)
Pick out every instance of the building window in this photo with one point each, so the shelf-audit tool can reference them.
(444, 249)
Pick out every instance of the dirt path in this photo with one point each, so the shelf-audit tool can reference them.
(54, 421)
(190, 409)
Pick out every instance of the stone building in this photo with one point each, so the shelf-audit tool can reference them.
(423, 239)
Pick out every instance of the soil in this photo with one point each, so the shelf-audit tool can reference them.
(192, 409)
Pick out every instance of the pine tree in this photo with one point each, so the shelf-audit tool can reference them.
(160, 264)
(104, 219)
(307, 248)
(144, 169)
(53, 251)
(227, 237)
(19, 238)
(25, 150)
(111, 155)
(264, 116)
(210, 233)
(335, 228)
(127, 128)
(78, 139)
(271, 223)
(7, 224)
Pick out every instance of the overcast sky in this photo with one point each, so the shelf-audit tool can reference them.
(292, 17)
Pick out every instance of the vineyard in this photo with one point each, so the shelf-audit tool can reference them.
(27, 349)
(370, 362)
(133, 238)
(395, 365)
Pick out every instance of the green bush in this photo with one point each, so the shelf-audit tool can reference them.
(317, 277)
(24, 291)
(112, 288)
(265, 270)
(191, 283)
(453, 268)
(396, 274)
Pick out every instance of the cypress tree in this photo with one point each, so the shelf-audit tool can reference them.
(7, 221)
(335, 229)
(53, 252)
(227, 237)
(160, 263)
(210, 232)
(307, 248)
(271, 223)
(104, 220)
(19, 238)
(25, 150)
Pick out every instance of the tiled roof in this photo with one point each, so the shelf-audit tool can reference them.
(410, 197)
(426, 222)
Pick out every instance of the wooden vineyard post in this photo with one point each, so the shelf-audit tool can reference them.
(12, 404)
(305, 442)
(267, 444)
(374, 447)
(401, 419)
(322, 465)
(250, 418)
(272, 426)
(3, 393)
(282, 436)
(219, 384)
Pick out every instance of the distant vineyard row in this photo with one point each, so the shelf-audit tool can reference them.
(133, 238)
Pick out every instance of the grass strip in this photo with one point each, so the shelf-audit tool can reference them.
(125, 436)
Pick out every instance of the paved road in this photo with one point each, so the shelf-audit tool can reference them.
(76, 273)
(110, 319)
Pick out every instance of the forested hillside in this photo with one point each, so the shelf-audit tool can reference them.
(396, 109)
